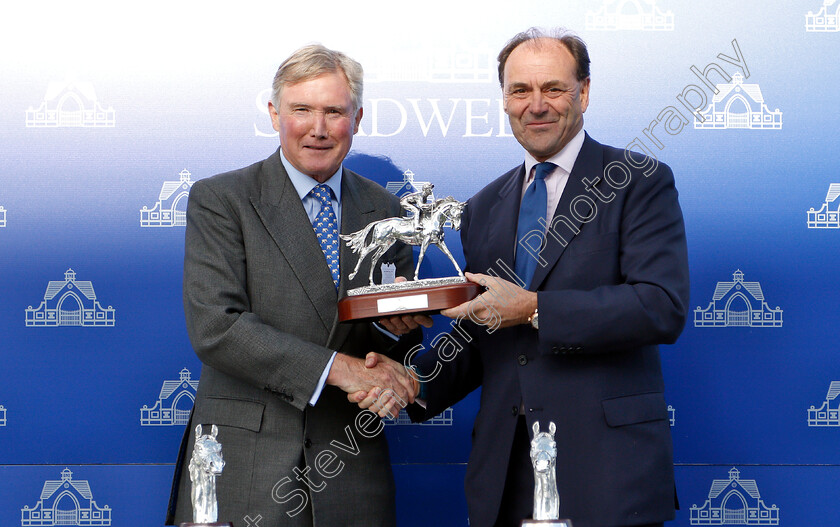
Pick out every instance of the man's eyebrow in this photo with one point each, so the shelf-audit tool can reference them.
(518, 85)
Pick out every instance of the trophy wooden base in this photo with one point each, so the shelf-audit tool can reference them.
(215, 524)
(547, 523)
(427, 300)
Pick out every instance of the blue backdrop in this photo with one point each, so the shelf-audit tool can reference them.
(108, 115)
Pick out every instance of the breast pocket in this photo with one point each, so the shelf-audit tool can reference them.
(634, 409)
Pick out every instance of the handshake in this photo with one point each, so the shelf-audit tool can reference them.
(377, 381)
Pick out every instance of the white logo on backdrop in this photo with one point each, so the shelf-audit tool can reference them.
(829, 413)
(66, 502)
(444, 419)
(734, 501)
(70, 103)
(70, 302)
(3, 420)
(826, 19)
(174, 403)
(739, 105)
(406, 186)
(630, 15)
(738, 303)
(2, 216)
(435, 65)
(828, 217)
(672, 415)
(171, 207)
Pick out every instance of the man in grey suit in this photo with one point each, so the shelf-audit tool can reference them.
(261, 282)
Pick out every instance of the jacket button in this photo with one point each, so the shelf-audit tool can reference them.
(514, 411)
(523, 360)
(307, 442)
(555, 349)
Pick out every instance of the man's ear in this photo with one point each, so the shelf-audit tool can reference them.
(358, 120)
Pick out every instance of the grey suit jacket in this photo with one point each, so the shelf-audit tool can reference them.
(261, 314)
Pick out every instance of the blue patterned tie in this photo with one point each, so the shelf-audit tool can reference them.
(534, 206)
(326, 229)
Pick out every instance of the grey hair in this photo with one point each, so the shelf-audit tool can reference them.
(312, 61)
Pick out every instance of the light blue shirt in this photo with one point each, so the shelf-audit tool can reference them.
(303, 185)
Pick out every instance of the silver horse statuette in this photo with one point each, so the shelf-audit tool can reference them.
(423, 228)
(205, 465)
(544, 460)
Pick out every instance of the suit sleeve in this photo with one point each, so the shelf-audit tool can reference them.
(225, 333)
(648, 304)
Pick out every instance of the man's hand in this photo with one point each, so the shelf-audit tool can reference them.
(377, 374)
(503, 304)
(401, 324)
(382, 401)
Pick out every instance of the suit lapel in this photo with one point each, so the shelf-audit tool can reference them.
(589, 163)
(281, 211)
(356, 213)
(504, 215)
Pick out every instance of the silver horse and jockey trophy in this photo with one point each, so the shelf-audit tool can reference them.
(205, 465)
(423, 227)
(546, 497)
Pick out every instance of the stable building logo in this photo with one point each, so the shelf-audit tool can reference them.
(828, 217)
(3, 420)
(434, 65)
(829, 413)
(70, 302)
(70, 104)
(174, 403)
(407, 186)
(738, 105)
(2, 216)
(632, 15)
(171, 207)
(66, 502)
(738, 303)
(734, 501)
(444, 419)
(826, 19)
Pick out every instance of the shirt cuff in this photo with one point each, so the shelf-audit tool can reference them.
(385, 331)
(322, 381)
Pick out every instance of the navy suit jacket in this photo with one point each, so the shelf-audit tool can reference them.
(613, 284)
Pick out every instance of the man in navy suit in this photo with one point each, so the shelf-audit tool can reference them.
(573, 340)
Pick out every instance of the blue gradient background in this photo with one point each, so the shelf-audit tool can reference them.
(187, 85)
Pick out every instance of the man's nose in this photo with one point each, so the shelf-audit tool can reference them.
(319, 125)
(538, 104)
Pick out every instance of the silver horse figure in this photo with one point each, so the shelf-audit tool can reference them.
(205, 465)
(544, 460)
(423, 229)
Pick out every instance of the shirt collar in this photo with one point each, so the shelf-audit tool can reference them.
(304, 184)
(564, 159)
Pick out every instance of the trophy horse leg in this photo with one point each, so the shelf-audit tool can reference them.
(380, 252)
(423, 247)
(442, 247)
